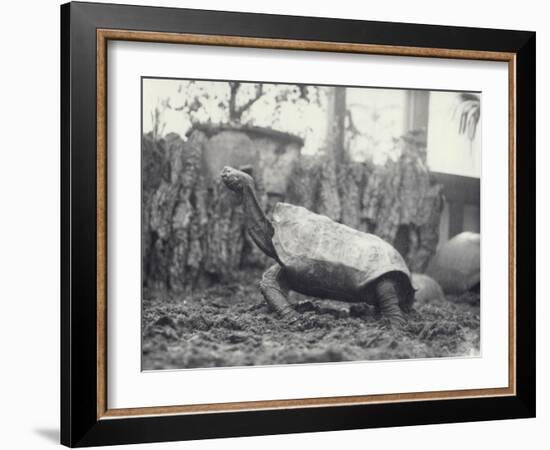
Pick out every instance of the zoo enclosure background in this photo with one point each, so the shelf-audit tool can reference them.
(193, 228)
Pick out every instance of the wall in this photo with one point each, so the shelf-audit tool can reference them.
(29, 182)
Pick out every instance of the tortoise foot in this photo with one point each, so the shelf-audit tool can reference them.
(394, 323)
(290, 316)
(398, 325)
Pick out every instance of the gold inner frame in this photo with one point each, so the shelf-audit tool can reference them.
(103, 36)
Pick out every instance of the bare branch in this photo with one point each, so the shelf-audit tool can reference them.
(259, 92)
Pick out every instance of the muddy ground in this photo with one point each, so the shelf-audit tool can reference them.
(230, 325)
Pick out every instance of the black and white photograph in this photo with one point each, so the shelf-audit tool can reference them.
(267, 225)
(296, 224)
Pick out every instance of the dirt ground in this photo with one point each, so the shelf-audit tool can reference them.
(230, 325)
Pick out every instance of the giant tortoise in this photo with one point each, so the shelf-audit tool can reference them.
(319, 257)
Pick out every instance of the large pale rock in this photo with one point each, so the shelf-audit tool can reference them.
(456, 265)
(426, 288)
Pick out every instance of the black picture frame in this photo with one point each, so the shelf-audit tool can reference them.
(80, 425)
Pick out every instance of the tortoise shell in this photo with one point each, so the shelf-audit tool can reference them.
(322, 252)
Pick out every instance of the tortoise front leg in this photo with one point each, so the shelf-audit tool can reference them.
(275, 291)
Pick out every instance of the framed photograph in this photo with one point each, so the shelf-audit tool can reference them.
(277, 224)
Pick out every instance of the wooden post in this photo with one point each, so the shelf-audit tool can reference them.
(336, 115)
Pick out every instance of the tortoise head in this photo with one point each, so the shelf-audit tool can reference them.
(235, 179)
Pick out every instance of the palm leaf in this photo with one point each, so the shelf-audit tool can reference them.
(469, 112)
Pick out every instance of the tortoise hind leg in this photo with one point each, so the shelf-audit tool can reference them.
(387, 293)
(275, 291)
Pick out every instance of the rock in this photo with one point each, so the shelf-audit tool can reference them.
(165, 321)
(339, 310)
(427, 288)
(236, 338)
(456, 265)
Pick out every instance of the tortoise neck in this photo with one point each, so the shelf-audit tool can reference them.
(258, 225)
(251, 205)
